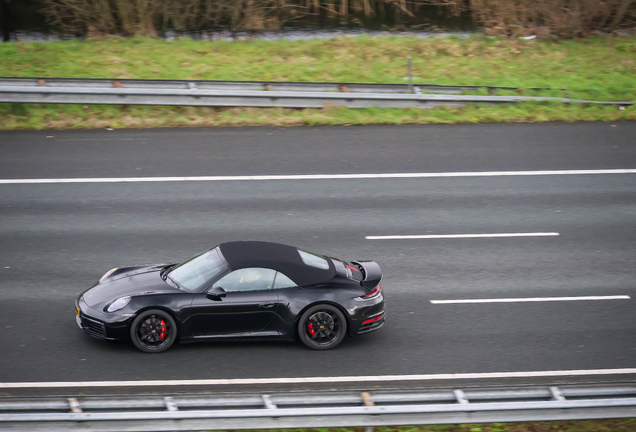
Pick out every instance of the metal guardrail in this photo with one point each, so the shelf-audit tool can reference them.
(315, 409)
(295, 86)
(247, 93)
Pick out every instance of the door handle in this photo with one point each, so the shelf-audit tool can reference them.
(266, 305)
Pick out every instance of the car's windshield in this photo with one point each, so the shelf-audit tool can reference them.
(199, 270)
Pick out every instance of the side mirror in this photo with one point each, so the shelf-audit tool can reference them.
(215, 293)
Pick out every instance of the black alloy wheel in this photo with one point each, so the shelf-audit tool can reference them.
(153, 331)
(322, 327)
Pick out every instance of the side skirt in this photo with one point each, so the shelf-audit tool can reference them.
(237, 336)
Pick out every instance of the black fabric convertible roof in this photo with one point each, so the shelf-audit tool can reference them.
(280, 257)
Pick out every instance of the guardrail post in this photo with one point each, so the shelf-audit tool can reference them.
(170, 405)
(267, 401)
(409, 67)
(367, 401)
(75, 406)
(556, 393)
(460, 396)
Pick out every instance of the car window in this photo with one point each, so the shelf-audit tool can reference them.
(248, 279)
(199, 270)
(283, 281)
(314, 260)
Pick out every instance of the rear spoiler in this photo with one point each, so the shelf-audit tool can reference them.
(372, 273)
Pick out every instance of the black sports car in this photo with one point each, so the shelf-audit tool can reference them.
(244, 289)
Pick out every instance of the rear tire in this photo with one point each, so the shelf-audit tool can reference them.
(153, 331)
(322, 327)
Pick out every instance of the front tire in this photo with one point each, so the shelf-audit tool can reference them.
(322, 327)
(153, 331)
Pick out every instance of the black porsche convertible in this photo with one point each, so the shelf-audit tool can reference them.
(236, 290)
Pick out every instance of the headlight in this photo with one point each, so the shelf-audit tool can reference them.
(118, 304)
(108, 273)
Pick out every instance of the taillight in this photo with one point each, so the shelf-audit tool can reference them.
(376, 291)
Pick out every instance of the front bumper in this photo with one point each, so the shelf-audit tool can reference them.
(106, 328)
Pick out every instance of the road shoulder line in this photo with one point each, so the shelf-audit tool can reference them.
(314, 176)
(303, 380)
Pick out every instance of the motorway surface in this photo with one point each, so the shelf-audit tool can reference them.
(57, 239)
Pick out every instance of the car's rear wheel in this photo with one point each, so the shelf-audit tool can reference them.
(322, 327)
(153, 331)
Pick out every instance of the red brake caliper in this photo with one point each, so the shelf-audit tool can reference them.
(163, 330)
(310, 326)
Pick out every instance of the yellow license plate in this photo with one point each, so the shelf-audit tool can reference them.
(77, 311)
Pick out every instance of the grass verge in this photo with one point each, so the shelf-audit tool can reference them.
(595, 68)
(614, 425)
(26, 116)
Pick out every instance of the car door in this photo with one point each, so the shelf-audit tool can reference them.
(291, 299)
(248, 306)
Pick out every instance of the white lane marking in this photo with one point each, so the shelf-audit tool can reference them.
(533, 299)
(101, 139)
(455, 236)
(379, 378)
(314, 176)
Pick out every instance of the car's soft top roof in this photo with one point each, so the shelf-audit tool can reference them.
(280, 257)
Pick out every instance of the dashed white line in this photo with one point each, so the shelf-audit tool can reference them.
(304, 380)
(314, 176)
(100, 139)
(533, 299)
(456, 236)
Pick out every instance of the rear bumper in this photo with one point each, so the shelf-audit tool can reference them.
(373, 324)
(368, 316)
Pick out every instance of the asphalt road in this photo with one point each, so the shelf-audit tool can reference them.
(58, 239)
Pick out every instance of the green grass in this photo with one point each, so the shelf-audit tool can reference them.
(23, 116)
(595, 68)
(614, 425)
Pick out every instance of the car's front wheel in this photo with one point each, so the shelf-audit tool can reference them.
(322, 327)
(153, 331)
